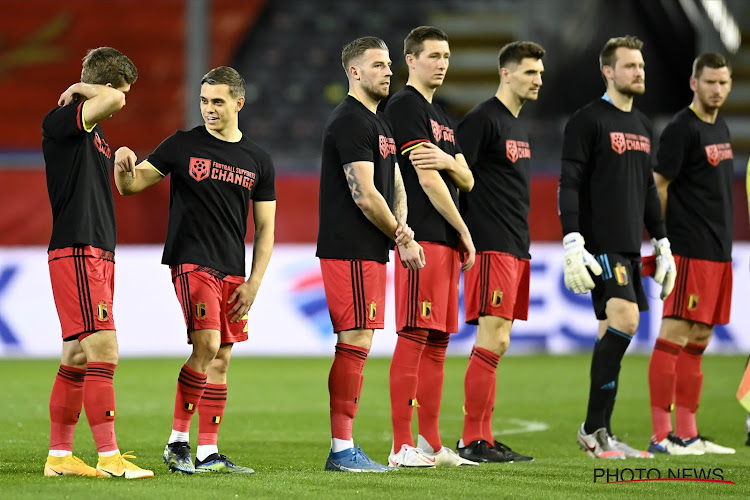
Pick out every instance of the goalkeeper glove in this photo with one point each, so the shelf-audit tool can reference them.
(577, 259)
(666, 270)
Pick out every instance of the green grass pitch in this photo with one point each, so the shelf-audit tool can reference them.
(277, 423)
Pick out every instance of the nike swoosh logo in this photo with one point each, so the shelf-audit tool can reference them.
(58, 473)
(429, 459)
(393, 462)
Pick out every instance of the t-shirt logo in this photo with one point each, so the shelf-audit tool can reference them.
(716, 153)
(441, 132)
(102, 145)
(618, 142)
(517, 149)
(199, 168)
(387, 146)
(622, 142)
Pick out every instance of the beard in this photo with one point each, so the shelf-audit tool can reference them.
(630, 89)
(375, 92)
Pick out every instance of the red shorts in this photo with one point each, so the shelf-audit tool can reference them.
(497, 285)
(702, 291)
(203, 294)
(83, 283)
(355, 292)
(428, 298)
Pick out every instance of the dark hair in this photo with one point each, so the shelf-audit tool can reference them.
(515, 52)
(607, 56)
(356, 48)
(224, 75)
(709, 60)
(107, 65)
(414, 41)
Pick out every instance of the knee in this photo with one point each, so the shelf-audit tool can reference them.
(220, 366)
(76, 360)
(205, 348)
(701, 334)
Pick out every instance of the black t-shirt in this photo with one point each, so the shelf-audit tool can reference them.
(416, 121)
(78, 165)
(353, 133)
(697, 157)
(497, 149)
(607, 188)
(212, 184)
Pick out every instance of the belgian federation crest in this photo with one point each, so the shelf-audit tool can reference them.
(618, 142)
(200, 310)
(497, 298)
(199, 168)
(621, 274)
(511, 150)
(426, 308)
(372, 310)
(101, 311)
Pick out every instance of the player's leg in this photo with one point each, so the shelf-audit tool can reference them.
(65, 405)
(673, 335)
(404, 369)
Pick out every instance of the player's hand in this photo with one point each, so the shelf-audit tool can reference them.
(243, 298)
(428, 156)
(666, 269)
(467, 250)
(412, 256)
(577, 260)
(404, 234)
(125, 160)
(71, 94)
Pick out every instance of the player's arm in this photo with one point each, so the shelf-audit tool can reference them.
(440, 197)
(101, 101)
(428, 156)
(131, 178)
(360, 178)
(264, 218)
(662, 188)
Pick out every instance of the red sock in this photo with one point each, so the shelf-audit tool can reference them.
(430, 387)
(487, 433)
(65, 405)
(661, 384)
(689, 385)
(478, 382)
(403, 384)
(190, 387)
(210, 413)
(99, 402)
(344, 386)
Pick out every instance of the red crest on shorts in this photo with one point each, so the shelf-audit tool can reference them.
(712, 154)
(511, 150)
(618, 142)
(436, 130)
(199, 168)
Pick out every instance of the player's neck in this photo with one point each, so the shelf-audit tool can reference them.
(706, 115)
(228, 134)
(427, 92)
(509, 100)
(365, 99)
(622, 102)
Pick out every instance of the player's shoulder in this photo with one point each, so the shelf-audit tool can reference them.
(645, 120)
(350, 115)
(255, 150)
(407, 96)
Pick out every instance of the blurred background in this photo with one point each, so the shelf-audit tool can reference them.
(289, 53)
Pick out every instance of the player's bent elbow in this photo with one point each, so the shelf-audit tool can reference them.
(468, 186)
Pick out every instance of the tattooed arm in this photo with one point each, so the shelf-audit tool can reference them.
(400, 209)
(359, 177)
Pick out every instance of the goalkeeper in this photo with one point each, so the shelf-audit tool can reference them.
(606, 194)
(694, 175)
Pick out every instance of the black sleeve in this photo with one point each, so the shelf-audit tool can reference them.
(407, 117)
(165, 154)
(64, 121)
(353, 137)
(472, 134)
(674, 144)
(266, 188)
(652, 216)
(577, 147)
